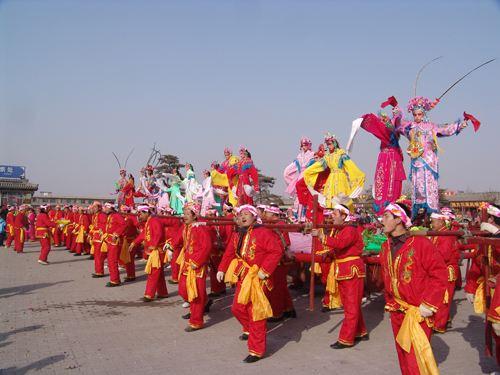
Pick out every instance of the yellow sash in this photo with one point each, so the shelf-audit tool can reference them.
(411, 334)
(80, 238)
(479, 297)
(104, 246)
(180, 259)
(124, 253)
(192, 290)
(21, 235)
(251, 290)
(153, 261)
(332, 283)
(10, 230)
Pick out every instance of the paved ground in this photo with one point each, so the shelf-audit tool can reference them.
(56, 319)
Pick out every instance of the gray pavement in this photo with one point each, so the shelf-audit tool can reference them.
(57, 319)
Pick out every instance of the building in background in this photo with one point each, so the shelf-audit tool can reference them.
(15, 188)
(46, 197)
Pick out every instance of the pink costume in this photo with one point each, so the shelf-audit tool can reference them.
(423, 151)
(390, 173)
(295, 171)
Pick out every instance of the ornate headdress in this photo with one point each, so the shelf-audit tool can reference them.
(305, 142)
(398, 211)
(421, 103)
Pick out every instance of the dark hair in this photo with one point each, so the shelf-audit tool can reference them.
(405, 209)
(496, 220)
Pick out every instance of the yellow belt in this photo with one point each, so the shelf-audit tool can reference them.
(332, 283)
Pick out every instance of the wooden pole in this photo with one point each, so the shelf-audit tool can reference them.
(313, 252)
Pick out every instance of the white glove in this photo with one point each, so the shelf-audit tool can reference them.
(220, 276)
(496, 328)
(170, 255)
(425, 311)
(470, 297)
(262, 275)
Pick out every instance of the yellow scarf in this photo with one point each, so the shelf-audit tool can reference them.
(124, 253)
(479, 297)
(153, 261)
(411, 335)
(251, 290)
(192, 290)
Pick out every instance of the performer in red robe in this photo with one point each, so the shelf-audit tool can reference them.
(43, 226)
(448, 248)
(68, 229)
(248, 178)
(279, 296)
(249, 260)
(494, 317)
(218, 238)
(115, 228)
(345, 280)
(57, 233)
(153, 238)
(20, 225)
(10, 226)
(128, 192)
(415, 278)
(193, 262)
(99, 220)
(82, 245)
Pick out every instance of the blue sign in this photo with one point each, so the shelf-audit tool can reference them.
(12, 171)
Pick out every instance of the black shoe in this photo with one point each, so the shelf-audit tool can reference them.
(325, 309)
(207, 306)
(296, 286)
(191, 329)
(290, 314)
(161, 297)
(186, 316)
(251, 359)
(91, 257)
(147, 299)
(109, 284)
(339, 345)
(97, 276)
(244, 337)
(275, 320)
(362, 338)
(77, 255)
(129, 279)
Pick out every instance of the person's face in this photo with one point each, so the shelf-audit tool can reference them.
(227, 154)
(242, 154)
(189, 217)
(418, 115)
(437, 224)
(338, 217)
(107, 210)
(390, 222)
(331, 146)
(122, 174)
(246, 218)
(304, 147)
(143, 216)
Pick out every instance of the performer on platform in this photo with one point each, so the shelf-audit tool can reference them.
(423, 150)
(248, 178)
(415, 278)
(295, 171)
(120, 184)
(249, 260)
(344, 179)
(448, 248)
(345, 280)
(43, 231)
(193, 262)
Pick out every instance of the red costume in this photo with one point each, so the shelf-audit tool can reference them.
(448, 248)
(68, 229)
(115, 228)
(248, 177)
(218, 246)
(173, 235)
(20, 225)
(193, 262)
(56, 231)
(43, 227)
(99, 220)
(494, 315)
(153, 238)
(345, 280)
(10, 228)
(248, 252)
(128, 192)
(414, 274)
(81, 238)
(128, 258)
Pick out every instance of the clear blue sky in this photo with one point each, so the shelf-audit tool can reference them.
(79, 79)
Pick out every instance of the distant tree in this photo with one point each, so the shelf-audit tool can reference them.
(167, 162)
(266, 183)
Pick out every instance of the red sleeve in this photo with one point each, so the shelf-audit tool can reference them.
(344, 239)
(474, 273)
(121, 225)
(229, 253)
(447, 248)
(436, 281)
(170, 221)
(203, 243)
(255, 177)
(273, 250)
(493, 315)
(374, 125)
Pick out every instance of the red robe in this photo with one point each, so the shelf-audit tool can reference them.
(20, 225)
(416, 274)
(258, 246)
(43, 226)
(115, 228)
(99, 221)
(10, 228)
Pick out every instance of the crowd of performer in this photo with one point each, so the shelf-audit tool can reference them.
(213, 230)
